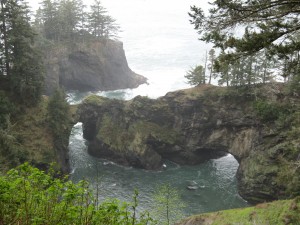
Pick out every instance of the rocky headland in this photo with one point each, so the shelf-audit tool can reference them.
(91, 66)
(259, 127)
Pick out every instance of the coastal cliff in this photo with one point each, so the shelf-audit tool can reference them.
(96, 65)
(259, 127)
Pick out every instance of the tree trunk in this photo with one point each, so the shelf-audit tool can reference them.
(6, 51)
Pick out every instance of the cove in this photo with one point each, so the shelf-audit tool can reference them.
(216, 180)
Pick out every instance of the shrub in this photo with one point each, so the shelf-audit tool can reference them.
(269, 111)
(31, 196)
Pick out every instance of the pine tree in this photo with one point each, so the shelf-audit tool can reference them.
(100, 24)
(196, 75)
(50, 18)
(97, 20)
(4, 54)
(269, 26)
(24, 63)
(69, 18)
(223, 70)
(58, 116)
(211, 58)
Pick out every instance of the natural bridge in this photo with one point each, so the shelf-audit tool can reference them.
(189, 127)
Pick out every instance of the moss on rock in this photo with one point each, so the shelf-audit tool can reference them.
(33, 140)
(192, 125)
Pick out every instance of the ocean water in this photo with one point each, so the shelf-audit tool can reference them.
(215, 180)
(159, 42)
(161, 45)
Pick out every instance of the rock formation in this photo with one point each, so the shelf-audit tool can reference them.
(193, 125)
(98, 65)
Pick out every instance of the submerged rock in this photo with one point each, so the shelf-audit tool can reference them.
(193, 125)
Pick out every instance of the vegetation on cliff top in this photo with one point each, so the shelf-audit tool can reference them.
(71, 22)
(279, 212)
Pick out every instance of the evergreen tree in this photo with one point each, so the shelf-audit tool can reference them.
(23, 61)
(223, 71)
(4, 46)
(69, 18)
(58, 116)
(270, 26)
(100, 24)
(50, 19)
(211, 58)
(196, 75)
(97, 19)
(111, 30)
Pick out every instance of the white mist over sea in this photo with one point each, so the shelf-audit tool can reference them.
(159, 42)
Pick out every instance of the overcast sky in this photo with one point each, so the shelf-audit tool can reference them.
(146, 14)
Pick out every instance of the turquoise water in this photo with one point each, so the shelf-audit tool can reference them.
(215, 179)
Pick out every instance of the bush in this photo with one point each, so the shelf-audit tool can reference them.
(59, 116)
(196, 75)
(269, 111)
(6, 108)
(31, 196)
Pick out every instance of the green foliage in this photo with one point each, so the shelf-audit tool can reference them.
(59, 116)
(278, 212)
(19, 60)
(288, 175)
(10, 152)
(196, 75)
(270, 35)
(100, 24)
(31, 196)
(168, 205)
(6, 108)
(70, 22)
(115, 134)
(94, 100)
(269, 111)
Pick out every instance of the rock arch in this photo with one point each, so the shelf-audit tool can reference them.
(187, 127)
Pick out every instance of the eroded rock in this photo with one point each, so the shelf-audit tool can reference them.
(99, 65)
(191, 126)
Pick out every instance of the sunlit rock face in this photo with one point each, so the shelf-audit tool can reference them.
(191, 126)
(98, 65)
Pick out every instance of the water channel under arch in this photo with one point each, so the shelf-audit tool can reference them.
(215, 179)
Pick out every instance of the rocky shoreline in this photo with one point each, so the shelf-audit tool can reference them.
(193, 125)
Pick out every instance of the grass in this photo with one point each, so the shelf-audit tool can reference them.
(94, 100)
(285, 212)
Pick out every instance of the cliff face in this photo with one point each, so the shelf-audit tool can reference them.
(194, 125)
(99, 65)
(30, 139)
